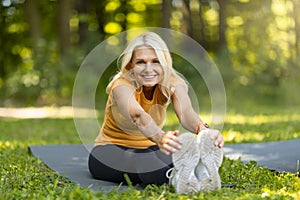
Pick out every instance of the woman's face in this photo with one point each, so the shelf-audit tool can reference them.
(146, 67)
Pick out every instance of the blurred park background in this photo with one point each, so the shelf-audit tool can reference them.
(255, 44)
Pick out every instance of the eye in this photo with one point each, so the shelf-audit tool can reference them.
(156, 61)
(140, 62)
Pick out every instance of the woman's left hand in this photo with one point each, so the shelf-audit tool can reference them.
(217, 137)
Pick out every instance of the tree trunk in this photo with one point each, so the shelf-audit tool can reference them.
(64, 13)
(187, 27)
(99, 10)
(202, 24)
(82, 8)
(33, 17)
(222, 22)
(297, 26)
(2, 44)
(124, 9)
(166, 13)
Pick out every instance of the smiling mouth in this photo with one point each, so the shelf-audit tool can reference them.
(148, 76)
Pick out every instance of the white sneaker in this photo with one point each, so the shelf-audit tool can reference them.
(185, 161)
(211, 157)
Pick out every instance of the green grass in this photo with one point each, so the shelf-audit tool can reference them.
(26, 177)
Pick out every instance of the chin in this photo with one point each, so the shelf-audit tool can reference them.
(149, 84)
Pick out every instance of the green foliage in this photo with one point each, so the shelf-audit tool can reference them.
(42, 131)
(26, 177)
(269, 125)
(258, 58)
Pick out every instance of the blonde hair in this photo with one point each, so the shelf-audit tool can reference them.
(153, 40)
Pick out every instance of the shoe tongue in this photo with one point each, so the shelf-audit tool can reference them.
(198, 138)
(199, 135)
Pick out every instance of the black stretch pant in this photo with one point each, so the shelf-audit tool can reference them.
(143, 166)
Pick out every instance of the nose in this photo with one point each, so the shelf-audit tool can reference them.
(148, 67)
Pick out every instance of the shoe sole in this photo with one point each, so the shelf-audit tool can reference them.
(211, 157)
(185, 162)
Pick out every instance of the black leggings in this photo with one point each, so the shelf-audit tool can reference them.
(143, 166)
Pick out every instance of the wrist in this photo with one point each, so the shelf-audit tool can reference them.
(157, 137)
(201, 126)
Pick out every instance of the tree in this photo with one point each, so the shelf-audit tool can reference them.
(202, 23)
(3, 38)
(166, 13)
(187, 25)
(222, 22)
(297, 26)
(82, 7)
(64, 13)
(33, 17)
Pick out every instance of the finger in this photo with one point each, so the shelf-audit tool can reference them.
(170, 135)
(175, 141)
(221, 144)
(219, 141)
(176, 133)
(175, 137)
(164, 149)
(165, 152)
(214, 134)
(168, 149)
(174, 144)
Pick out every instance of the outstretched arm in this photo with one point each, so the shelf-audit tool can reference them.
(124, 97)
(187, 116)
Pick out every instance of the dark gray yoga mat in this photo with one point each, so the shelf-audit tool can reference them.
(70, 160)
(280, 156)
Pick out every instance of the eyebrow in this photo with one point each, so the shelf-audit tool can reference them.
(139, 59)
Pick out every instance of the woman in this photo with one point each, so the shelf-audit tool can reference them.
(132, 140)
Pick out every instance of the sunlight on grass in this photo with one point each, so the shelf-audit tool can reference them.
(261, 127)
(240, 128)
(259, 119)
(238, 137)
(284, 191)
(7, 144)
(46, 112)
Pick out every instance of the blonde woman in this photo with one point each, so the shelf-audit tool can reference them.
(132, 140)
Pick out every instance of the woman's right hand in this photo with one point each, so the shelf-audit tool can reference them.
(168, 142)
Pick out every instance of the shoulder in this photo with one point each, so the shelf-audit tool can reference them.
(177, 80)
(121, 82)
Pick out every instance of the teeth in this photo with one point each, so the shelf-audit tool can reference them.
(149, 76)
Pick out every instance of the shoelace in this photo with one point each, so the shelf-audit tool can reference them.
(170, 174)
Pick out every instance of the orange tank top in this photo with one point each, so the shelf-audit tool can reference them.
(116, 129)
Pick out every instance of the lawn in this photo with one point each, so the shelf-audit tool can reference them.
(26, 177)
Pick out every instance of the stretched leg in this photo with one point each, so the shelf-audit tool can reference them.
(108, 162)
(152, 165)
(162, 156)
(111, 162)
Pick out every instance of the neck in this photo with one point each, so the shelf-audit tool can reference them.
(148, 92)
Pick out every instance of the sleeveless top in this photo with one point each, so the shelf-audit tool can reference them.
(116, 129)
